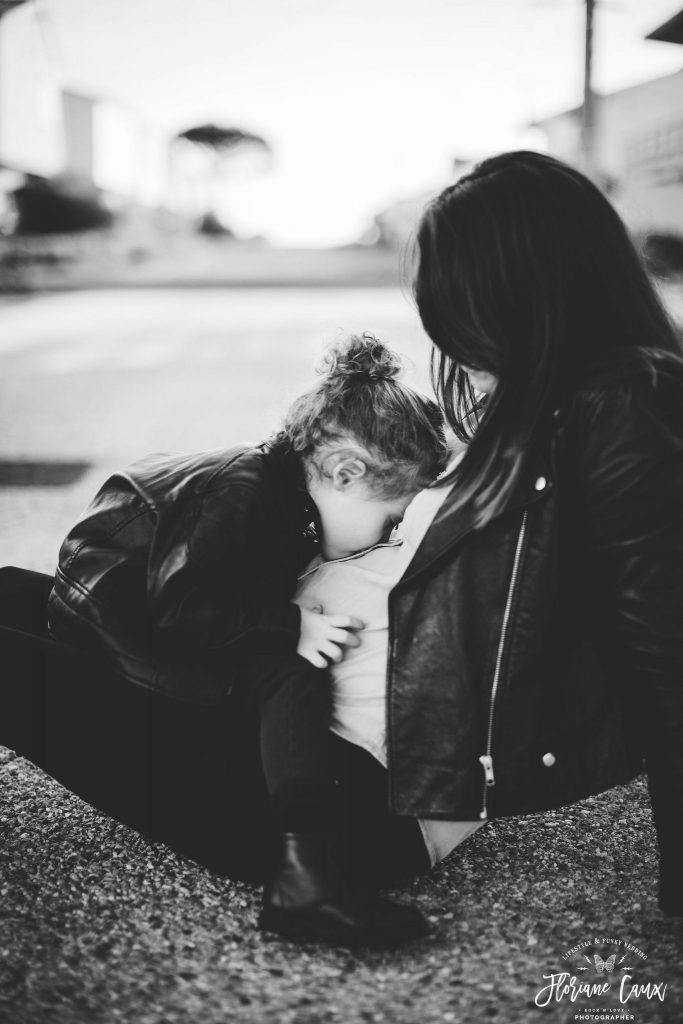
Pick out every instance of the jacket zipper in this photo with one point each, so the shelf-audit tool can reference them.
(487, 758)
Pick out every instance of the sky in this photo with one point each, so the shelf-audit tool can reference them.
(364, 102)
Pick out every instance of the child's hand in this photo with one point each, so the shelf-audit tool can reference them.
(324, 637)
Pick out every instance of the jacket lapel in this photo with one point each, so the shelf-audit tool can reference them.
(452, 523)
(448, 528)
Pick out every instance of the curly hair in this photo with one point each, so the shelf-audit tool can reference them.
(361, 401)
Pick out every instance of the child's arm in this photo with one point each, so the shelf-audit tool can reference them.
(202, 589)
(201, 583)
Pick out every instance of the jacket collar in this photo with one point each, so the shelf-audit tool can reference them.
(289, 481)
(453, 523)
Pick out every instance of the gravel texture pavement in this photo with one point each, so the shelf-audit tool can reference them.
(99, 926)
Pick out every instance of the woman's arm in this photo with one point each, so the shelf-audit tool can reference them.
(630, 495)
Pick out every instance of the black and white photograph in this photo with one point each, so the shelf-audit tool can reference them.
(341, 511)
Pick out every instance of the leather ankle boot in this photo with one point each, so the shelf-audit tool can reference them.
(306, 898)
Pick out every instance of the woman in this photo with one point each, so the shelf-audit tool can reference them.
(548, 592)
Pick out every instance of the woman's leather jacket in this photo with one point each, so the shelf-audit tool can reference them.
(539, 659)
(183, 565)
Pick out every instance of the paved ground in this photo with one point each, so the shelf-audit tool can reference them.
(98, 926)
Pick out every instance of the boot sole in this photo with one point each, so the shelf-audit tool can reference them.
(290, 926)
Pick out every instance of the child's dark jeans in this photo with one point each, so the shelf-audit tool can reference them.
(215, 783)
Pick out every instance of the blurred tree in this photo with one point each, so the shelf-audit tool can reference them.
(225, 149)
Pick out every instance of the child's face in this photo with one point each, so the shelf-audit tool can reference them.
(353, 517)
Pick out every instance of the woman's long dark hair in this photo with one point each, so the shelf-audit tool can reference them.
(525, 271)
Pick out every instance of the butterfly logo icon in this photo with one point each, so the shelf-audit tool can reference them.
(603, 966)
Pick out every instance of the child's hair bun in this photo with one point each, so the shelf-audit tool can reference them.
(362, 357)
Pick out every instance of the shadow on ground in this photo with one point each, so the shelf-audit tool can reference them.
(97, 925)
(40, 473)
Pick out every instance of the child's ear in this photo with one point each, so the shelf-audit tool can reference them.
(348, 472)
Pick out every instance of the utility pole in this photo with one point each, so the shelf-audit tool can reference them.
(588, 109)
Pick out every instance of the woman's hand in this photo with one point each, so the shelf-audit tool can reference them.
(323, 638)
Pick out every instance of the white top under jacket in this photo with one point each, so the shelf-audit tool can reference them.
(359, 585)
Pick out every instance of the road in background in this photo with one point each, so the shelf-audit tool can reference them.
(104, 377)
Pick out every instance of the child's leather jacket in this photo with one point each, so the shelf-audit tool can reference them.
(181, 565)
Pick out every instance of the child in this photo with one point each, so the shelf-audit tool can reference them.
(362, 583)
(182, 573)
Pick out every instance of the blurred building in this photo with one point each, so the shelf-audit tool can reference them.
(638, 150)
(50, 127)
(394, 225)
